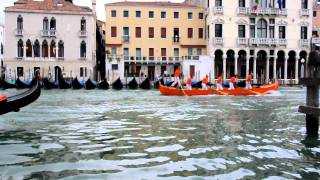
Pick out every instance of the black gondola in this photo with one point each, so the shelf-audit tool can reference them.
(157, 83)
(145, 84)
(76, 84)
(89, 85)
(14, 103)
(133, 84)
(117, 85)
(63, 84)
(5, 85)
(103, 84)
(21, 85)
(47, 84)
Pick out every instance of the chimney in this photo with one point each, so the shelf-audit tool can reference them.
(93, 6)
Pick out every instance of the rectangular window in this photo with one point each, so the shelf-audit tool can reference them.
(151, 32)
(138, 53)
(282, 32)
(192, 70)
(151, 14)
(242, 3)
(218, 30)
(304, 4)
(126, 53)
(138, 32)
(200, 15)
(304, 32)
(199, 51)
(218, 3)
(176, 15)
(138, 14)
(81, 72)
(113, 51)
(125, 13)
(164, 53)
(190, 51)
(252, 28)
(20, 71)
(190, 32)
(242, 31)
(176, 52)
(113, 13)
(200, 31)
(151, 52)
(163, 33)
(190, 14)
(113, 31)
(163, 14)
(314, 13)
(126, 31)
(271, 28)
(114, 67)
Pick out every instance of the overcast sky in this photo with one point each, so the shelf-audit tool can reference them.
(100, 6)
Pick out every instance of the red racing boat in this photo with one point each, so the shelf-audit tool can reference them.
(261, 90)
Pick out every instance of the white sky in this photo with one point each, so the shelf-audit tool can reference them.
(100, 6)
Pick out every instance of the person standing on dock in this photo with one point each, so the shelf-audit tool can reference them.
(189, 83)
(249, 81)
(219, 82)
(176, 77)
(205, 82)
(233, 80)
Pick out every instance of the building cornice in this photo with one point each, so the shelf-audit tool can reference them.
(48, 12)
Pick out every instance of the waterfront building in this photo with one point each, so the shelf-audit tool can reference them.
(153, 38)
(55, 36)
(2, 35)
(316, 25)
(270, 38)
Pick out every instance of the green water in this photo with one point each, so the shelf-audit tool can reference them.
(142, 135)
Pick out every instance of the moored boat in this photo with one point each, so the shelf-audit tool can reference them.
(63, 84)
(117, 85)
(22, 85)
(6, 85)
(47, 84)
(146, 84)
(76, 84)
(89, 84)
(157, 83)
(133, 84)
(103, 84)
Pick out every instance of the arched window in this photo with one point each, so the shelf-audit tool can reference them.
(60, 49)
(1, 48)
(28, 48)
(45, 49)
(19, 22)
(83, 24)
(53, 24)
(53, 49)
(36, 49)
(263, 4)
(45, 24)
(83, 49)
(262, 28)
(20, 48)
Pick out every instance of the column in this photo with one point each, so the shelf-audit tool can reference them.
(286, 69)
(247, 65)
(255, 68)
(213, 75)
(224, 66)
(236, 64)
(267, 70)
(274, 68)
(296, 72)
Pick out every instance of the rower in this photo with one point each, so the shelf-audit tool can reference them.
(249, 81)
(189, 83)
(219, 82)
(176, 77)
(205, 82)
(3, 98)
(233, 80)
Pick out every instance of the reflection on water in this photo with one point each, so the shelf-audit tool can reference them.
(142, 135)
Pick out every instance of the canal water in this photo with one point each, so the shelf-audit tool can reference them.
(69, 134)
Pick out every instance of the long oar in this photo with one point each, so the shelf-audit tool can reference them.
(256, 93)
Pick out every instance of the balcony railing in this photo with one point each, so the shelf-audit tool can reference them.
(218, 40)
(242, 10)
(242, 41)
(304, 43)
(263, 41)
(48, 33)
(125, 38)
(19, 32)
(151, 59)
(218, 10)
(282, 42)
(267, 11)
(82, 33)
(316, 40)
(176, 39)
(283, 12)
(304, 12)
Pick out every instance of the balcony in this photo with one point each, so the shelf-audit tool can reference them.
(268, 11)
(48, 33)
(19, 32)
(304, 43)
(316, 40)
(263, 41)
(282, 42)
(242, 10)
(176, 39)
(283, 12)
(218, 10)
(218, 40)
(83, 33)
(126, 38)
(242, 41)
(150, 59)
(304, 12)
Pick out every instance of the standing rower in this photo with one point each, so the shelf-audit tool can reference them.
(205, 82)
(249, 81)
(233, 80)
(189, 83)
(219, 82)
(177, 77)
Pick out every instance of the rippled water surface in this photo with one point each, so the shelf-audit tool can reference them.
(142, 135)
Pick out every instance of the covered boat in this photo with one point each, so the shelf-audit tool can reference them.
(146, 84)
(157, 83)
(47, 84)
(117, 85)
(14, 103)
(22, 85)
(76, 84)
(133, 84)
(103, 84)
(89, 85)
(6, 85)
(63, 84)
(261, 90)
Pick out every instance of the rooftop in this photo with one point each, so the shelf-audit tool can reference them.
(47, 5)
(161, 4)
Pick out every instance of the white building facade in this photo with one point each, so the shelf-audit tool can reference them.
(2, 35)
(56, 37)
(270, 38)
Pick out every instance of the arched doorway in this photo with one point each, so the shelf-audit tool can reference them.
(291, 65)
(218, 59)
(242, 64)
(57, 73)
(230, 64)
(280, 64)
(302, 63)
(261, 66)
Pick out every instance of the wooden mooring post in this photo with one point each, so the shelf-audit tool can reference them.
(312, 82)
